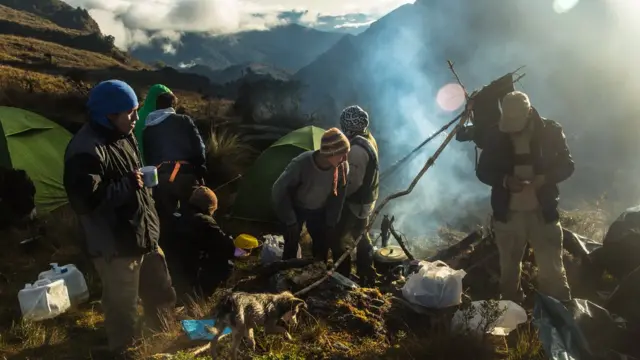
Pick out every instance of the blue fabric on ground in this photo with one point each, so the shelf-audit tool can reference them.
(196, 330)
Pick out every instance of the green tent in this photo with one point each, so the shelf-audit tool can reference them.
(32, 143)
(253, 201)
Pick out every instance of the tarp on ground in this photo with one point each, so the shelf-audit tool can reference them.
(579, 330)
(253, 201)
(36, 145)
(620, 253)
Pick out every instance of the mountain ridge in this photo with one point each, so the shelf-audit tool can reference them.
(289, 47)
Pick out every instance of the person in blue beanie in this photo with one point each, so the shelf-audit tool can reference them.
(117, 213)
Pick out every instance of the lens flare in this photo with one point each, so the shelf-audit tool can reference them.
(563, 6)
(450, 97)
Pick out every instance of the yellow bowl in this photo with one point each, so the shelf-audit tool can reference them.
(246, 242)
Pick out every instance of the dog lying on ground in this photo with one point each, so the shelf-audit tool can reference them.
(243, 312)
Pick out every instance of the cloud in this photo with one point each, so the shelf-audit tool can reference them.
(131, 21)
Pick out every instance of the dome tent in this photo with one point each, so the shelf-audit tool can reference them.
(36, 145)
(253, 201)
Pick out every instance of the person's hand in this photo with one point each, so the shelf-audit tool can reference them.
(538, 181)
(514, 184)
(137, 177)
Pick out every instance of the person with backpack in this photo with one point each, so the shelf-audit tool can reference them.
(148, 107)
(361, 196)
(524, 159)
(173, 144)
(311, 190)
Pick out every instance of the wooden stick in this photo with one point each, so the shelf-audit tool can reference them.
(200, 350)
(401, 242)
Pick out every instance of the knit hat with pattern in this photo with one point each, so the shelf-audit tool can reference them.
(354, 121)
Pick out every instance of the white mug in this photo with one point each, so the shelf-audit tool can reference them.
(149, 176)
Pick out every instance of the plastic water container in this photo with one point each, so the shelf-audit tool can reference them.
(73, 278)
(45, 299)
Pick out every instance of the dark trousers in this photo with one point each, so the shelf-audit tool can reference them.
(349, 229)
(316, 223)
(169, 196)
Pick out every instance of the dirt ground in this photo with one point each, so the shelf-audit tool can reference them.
(339, 323)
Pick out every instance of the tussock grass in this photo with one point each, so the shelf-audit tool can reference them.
(227, 156)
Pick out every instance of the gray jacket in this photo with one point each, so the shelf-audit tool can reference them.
(302, 185)
(118, 218)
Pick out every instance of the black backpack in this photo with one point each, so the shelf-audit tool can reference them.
(486, 110)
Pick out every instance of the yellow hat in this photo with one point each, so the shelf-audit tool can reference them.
(246, 241)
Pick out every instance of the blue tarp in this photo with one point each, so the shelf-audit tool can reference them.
(196, 330)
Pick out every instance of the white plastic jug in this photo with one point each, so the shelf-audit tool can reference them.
(73, 278)
(44, 299)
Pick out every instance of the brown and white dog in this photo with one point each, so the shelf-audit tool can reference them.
(243, 312)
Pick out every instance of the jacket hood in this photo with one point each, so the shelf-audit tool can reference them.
(158, 116)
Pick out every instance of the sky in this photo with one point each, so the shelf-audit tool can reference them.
(129, 20)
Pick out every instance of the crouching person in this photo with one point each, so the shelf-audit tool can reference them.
(311, 191)
(523, 162)
(116, 211)
(204, 250)
(362, 193)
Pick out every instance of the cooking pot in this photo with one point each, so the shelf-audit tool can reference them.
(387, 258)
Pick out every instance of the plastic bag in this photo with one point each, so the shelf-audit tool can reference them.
(273, 248)
(435, 285)
(45, 299)
(512, 316)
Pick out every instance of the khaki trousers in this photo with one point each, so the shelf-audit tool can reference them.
(120, 279)
(512, 237)
(123, 280)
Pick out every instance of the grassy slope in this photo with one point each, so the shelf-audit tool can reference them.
(32, 20)
(74, 334)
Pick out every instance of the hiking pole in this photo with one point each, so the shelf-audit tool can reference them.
(462, 119)
(228, 182)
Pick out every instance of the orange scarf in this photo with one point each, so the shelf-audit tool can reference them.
(335, 178)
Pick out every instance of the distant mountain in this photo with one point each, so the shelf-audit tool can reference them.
(405, 52)
(57, 12)
(235, 72)
(289, 47)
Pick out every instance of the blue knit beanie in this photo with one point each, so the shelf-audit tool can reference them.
(110, 97)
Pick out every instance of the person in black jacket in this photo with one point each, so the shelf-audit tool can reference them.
(117, 213)
(173, 144)
(204, 251)
(524, 160)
